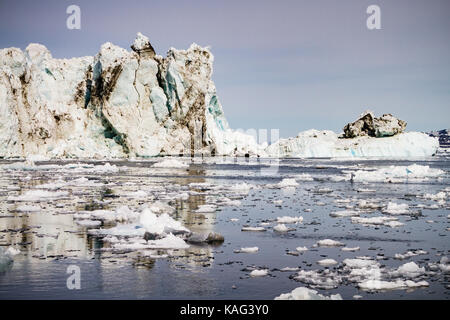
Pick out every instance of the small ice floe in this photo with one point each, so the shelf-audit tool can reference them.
(289, 269)
(344, 213)
(89, 223)
(206, 208)
(121, 214)
(436, 197)
(372, 204)
(327, 262)
(282, 228)
(241, 188)
(247, 250)
(304, 177)
(350, 249)
(397, 174)
(234, 219)
(278, 202)
(386, 221)
(287, 219)
(319, 279)
(409, 270)
(287, 182)
(171, 163)
(329, 243)
(168, 242)
(372, 284)
(362, 190)
(230, 203)
(259, 273)
(159, 224)
(322, 190)
(396, 209)
(357, 297)
(39, 195)
(28, 208)
(302, 293)
(301, 249)
(257, 229)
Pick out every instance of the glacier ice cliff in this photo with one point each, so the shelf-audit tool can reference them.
(136, 103)
(118, 103)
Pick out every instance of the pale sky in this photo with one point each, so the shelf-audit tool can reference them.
(292, 65)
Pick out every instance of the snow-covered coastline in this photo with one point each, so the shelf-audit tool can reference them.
(126, 104)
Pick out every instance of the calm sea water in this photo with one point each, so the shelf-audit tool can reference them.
(50, 240)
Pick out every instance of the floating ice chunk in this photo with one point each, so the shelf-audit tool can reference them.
(206, 208)
(396, 209)
(410, 270)
(397, 174)
(374, 220)
(281, 228)
(89, 223)
(350, 249)
(319, 279)
(159, 224)
(302, 293)
(248, 250)
(327, 262)
(234, 219)
(301, 249)
(278, 202)
(39, 195)
(28, 208)
(287, 183)
(344, 213)
(289, 269)
(391, 285)
(315, 143)
(436, 197)
(169, 242)
(409, 254)
(287, 219)
(358, 263)
(171, 163)
(242, 188)
(329, 243)
(259, 273)
(253, 229)
(304, 177)
(393, 224)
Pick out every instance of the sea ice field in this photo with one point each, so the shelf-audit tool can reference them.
(292, 228)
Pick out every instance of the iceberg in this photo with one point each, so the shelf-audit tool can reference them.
(127, 104)
(328, 144)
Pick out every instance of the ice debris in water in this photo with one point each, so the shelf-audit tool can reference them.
(371, 285)
(327, 262)
(395, 174)
(259, 273)
(39, 195)
(159, 224)
(287, 219)
(329, 243)
(287, 183)
(248, 250)
(396, 209)
(281, 228)
(302, 293)
(171, 163)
